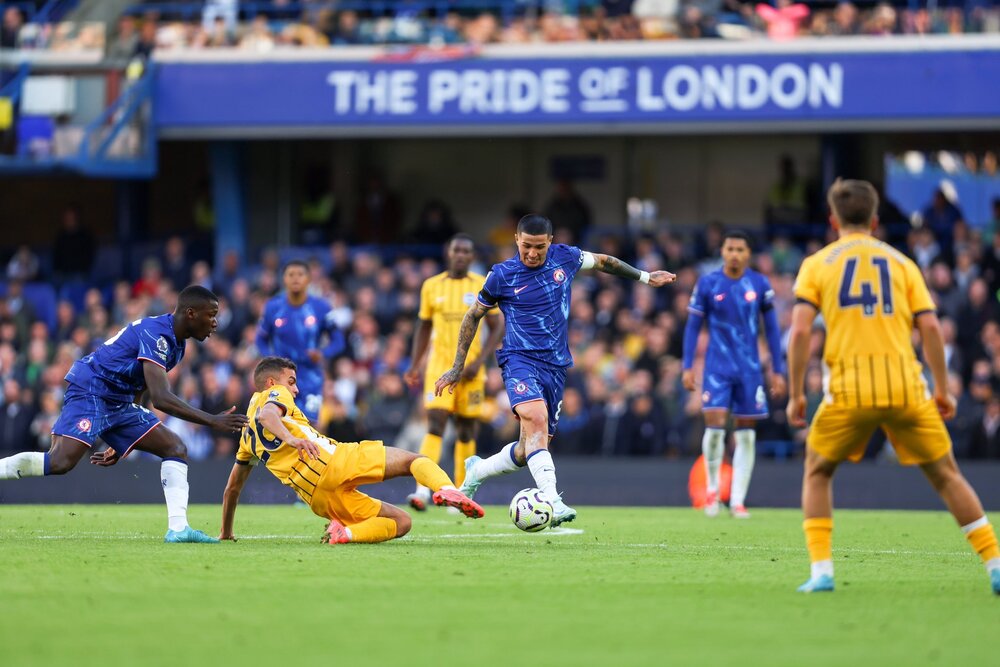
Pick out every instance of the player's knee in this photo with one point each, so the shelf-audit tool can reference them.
(60, 465)
(534, 416)
(176, 449)
(466, 429)
(403, 524)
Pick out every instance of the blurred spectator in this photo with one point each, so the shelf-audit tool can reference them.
(388, 409)
(845, 19)
(147, 38)
(318, 209)
(16, 415)
(941, 215)
(10, 28)
(176, 267)
(148, 284)
(41, 425)
(126, 40)
(569, 211)
(347, 31)
(73, 248)
(258, 37)
(985, 440)
(435, 224)
(786, 202)
(23, 265)
(379, 213)
(783, 20)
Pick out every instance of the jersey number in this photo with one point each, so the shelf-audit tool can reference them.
(867, 299)
(118, 335)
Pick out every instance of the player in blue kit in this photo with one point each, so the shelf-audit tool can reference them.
(532, 290)
(732, 301)
(292, 327)
(102, 400)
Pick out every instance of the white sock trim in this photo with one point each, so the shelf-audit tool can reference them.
(821, 567)
(992, 564)
(23, 464)
(713, 445)
(543, 470)
(173, 476)
(978, 523)
(743, 462)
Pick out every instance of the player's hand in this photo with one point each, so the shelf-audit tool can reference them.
(687, 379)
(412, 377)
(230, 421)
(315, 356)
(945, 404)
(661, 278)
(448, 380)
(306, 448)
(778, 385)
(471, 369)
(108, 457)
(796, 411)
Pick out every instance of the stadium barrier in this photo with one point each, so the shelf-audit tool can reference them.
(586, 481)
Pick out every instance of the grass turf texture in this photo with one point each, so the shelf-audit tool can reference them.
(94, 585)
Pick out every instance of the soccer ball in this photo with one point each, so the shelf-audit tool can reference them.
(530, 511)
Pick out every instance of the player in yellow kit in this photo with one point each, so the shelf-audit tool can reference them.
(444, 300)
(871, 296)
(325, 474)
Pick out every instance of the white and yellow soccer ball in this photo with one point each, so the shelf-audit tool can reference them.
(530, 510)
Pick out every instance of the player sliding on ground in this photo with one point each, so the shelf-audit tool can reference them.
(102, 401)
(732, 301)
(870, 296)
(325, 474)
(533, 292)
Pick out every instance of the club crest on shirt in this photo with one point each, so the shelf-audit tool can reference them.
(761, 397)
(706, 396)
(559, 276)
(720, 297)
(750, 296)
(520, 388)
(280, 322)
(162, 345)
(83, 425)
(310, 320)
(274, 394)
(469, 298)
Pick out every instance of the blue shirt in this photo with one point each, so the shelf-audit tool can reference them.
(289, 331)
(114, 370)
(535, 304)
(733, 309)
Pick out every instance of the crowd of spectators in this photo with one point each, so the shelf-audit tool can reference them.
(319, 23)
(623, 397)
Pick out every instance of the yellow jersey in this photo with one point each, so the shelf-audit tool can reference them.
(259, 444)
(869, 294)
(445, 301)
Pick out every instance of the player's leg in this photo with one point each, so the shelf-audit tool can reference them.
(357, 517)
(713, 449)
(437, 420)
(63, 455)
(749, 405)
(400, 463)
(963, 503)
(465, 445)
(161, 441)
(817, 510)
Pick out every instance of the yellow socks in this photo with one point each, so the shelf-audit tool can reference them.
(982, 538)
(819, 538)
(376, 529)
(429, 473)
(431, 447)
(463, 450)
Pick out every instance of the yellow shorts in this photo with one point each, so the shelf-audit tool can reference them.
(466, 401)
(353, 464)
(917, 433)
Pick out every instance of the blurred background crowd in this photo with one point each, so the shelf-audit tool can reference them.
(624, 396)
(264, 26)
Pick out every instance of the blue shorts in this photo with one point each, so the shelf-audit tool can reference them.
(86, 417)
(310, 397)
(531, 380)
(743, 396)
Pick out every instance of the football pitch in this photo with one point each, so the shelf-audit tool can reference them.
(94, 585)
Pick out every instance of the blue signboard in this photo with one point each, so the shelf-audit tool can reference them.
(730, 89)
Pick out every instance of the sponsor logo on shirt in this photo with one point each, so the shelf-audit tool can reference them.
(274, 394)
(518, 290)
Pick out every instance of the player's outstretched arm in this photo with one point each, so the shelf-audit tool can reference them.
(690, 350)
(231, 498)
(270, 418)
(496, 325)
(164, 400)
(617, 267)
(421, 341)
(933, 345)
(798, 358)
(466, 334)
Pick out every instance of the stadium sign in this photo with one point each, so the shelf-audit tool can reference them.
(644, 93)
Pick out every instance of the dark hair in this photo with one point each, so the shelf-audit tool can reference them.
(534, 225)
(461, 236)
(296, 262)
(853, 202)
(739, 235)
(270, 367)
(195, 296)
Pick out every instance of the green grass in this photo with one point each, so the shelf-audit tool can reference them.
(94, 585)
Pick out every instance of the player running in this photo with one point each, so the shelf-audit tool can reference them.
(102, 401)
(325, 474)
(870, 296)
(732, 300)
(292, 326)
(444, 300)
(533, 292)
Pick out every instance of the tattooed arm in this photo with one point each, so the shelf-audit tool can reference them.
(466, 334)
(617, 267)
